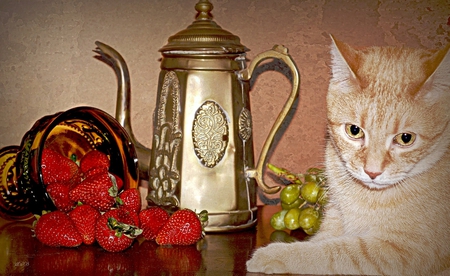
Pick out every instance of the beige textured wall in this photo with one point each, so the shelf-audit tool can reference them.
(47, 64)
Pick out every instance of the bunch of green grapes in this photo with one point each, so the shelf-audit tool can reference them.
(302, 200)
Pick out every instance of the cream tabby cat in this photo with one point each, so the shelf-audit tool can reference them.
(388, 168)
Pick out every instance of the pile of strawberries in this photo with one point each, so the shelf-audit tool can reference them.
(93, 207)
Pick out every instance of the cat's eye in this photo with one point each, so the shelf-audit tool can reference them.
(354, 131)
(405, 139)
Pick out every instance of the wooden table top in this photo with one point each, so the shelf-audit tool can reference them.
(217, 254)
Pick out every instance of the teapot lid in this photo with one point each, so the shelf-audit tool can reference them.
(204, 36)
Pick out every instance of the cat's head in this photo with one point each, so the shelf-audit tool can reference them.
(388, 111)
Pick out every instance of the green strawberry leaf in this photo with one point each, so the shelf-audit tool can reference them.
(203, 216)
(121, 228)
(73, 157)
(114, 190)
(119, 201)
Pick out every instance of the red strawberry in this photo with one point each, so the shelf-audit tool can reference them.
(94, 171)
(97, 190)
(57, 168)
(130, 200)
(116, 229)
(85, 218)
(56, 229)
(184, 227)
(93, 162)
(152, 220)
(59, 193)
(119, 182)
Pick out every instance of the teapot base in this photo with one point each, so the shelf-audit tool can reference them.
(231, 221)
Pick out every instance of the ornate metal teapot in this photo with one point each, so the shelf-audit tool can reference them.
(202, 151)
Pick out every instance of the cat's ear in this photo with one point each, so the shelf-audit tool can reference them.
(437, 84)
(344, 61)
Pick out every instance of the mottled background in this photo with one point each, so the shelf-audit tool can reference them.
(47, 63)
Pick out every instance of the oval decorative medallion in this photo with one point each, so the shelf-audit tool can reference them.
(245, 124)
(210, 133)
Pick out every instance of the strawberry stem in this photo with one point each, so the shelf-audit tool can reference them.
(203, 216)
(114, 190)
(121, 228)
(73, 157)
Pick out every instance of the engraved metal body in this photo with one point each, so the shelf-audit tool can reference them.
(199, 157)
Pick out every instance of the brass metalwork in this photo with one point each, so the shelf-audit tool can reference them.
(123, 103)
(164, 171)
(210, 133)
(245, 124)
(202, 151)
(278, 52)
(203, 36)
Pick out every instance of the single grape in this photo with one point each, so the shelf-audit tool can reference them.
(277, 220)
(296, 204)
(291, 219)
(281, 236)
(313, 229)
(322, 196)
(290, 193)
(308, 218)
(310, 178)
(309, 191)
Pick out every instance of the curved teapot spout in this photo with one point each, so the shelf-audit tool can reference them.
(123, 103)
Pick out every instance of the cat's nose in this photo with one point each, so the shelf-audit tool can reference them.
(372, 175)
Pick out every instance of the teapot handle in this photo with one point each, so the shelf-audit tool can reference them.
(278, 52)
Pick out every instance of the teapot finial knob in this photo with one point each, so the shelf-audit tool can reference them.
(204, 8)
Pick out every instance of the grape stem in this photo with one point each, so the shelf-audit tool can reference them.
(281, 172)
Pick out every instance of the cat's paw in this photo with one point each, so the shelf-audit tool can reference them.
(268, 259)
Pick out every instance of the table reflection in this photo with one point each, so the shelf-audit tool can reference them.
(216, 253)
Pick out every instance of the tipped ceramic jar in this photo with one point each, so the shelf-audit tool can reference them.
(72, 133)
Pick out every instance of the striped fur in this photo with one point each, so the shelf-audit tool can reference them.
(397, 223)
